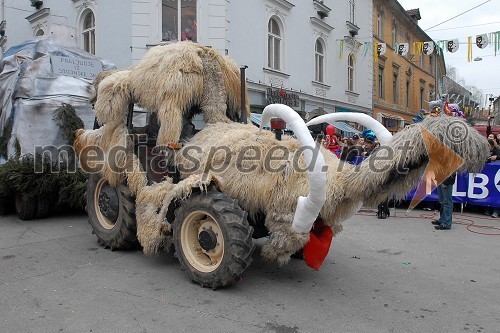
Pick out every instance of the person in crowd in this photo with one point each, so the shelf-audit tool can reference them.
(369, 145)
(494, 151)
(350, 153)
(354, 139)
(189, 31)
(494, 156)
(445, 191)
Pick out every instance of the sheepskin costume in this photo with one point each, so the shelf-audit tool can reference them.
(172, 80)
(271, 186)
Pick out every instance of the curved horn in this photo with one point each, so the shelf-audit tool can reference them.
(308, 208)
(383, 135)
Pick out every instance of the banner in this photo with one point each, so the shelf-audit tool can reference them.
(482, 41)
(403, 49)
(452, 45)
(428, 48)
(480, 189)
(381, 48)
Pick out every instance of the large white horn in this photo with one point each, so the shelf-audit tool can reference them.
(383, 135)
(308, 208)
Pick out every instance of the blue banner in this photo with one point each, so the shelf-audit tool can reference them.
(480, 189)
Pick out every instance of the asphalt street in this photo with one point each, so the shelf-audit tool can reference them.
(393, 275)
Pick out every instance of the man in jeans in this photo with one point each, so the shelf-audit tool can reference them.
(445, 190)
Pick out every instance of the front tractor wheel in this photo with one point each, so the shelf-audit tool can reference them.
(212, 238)
(111, 213)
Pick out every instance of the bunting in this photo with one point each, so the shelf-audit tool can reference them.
(469, 49)
(481, 41)
(452, 45)
(428, 48)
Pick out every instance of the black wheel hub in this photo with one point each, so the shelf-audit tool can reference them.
(207, 240)
(108, 203)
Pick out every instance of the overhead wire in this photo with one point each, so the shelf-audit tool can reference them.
(454, 17)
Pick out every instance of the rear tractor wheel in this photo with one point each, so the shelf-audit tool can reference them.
(111, 213)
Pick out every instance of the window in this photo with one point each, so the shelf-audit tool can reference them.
(351, 11)
(172, 28)
(39, 32)
(88, 32)
(350, 72)
(422, 90)
(395, 83)
(431, 64)
(319, 59)
(408, 40)
(394, 34)
(407, 94)
(380, 25)
(274, 45)
(380, 82)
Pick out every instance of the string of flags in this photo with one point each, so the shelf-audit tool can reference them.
(427, 48)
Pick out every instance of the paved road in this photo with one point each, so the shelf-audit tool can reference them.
(55, 278)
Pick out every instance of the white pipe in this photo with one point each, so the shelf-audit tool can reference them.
(383, 135)
(308, 208)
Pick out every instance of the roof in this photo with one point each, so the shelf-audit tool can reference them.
(414, 13)
(344, 127)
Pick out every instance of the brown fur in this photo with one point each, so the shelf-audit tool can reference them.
(170, 80)
(348, 188)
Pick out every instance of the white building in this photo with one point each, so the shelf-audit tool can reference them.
(298, 52)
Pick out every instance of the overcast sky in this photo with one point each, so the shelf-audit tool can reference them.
(485, 74)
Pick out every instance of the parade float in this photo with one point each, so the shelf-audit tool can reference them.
(209, 196)
(45, 85)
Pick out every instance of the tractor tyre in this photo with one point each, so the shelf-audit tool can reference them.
(25, 206)
(212, 238)
(111, 212)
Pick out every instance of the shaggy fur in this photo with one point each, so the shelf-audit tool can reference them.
(153, 228)
(349, 187)
(171, 80)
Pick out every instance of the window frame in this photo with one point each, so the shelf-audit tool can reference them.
(88, 33)
(381, 82)
(275, 61)
(408, 86)
(395, 87)
(180, 22)
(380, 24)
(352, 7)
(319, 61)
(394, 33)
(351, 72)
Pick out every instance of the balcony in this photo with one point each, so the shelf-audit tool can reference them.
(322, 9)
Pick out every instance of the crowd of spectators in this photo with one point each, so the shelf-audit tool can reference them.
(350, 149)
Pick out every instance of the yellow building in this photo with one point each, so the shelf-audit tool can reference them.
(403, 84)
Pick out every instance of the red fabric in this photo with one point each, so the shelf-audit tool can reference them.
(316, 250)
(333, 148)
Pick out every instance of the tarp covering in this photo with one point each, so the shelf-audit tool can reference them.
(30, 92)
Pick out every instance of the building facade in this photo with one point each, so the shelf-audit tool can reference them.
(403, 84)
(308, 54)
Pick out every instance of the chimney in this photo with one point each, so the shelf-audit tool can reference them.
(414, 14)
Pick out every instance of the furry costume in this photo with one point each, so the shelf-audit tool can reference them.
(349, 187)
(172, 80)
